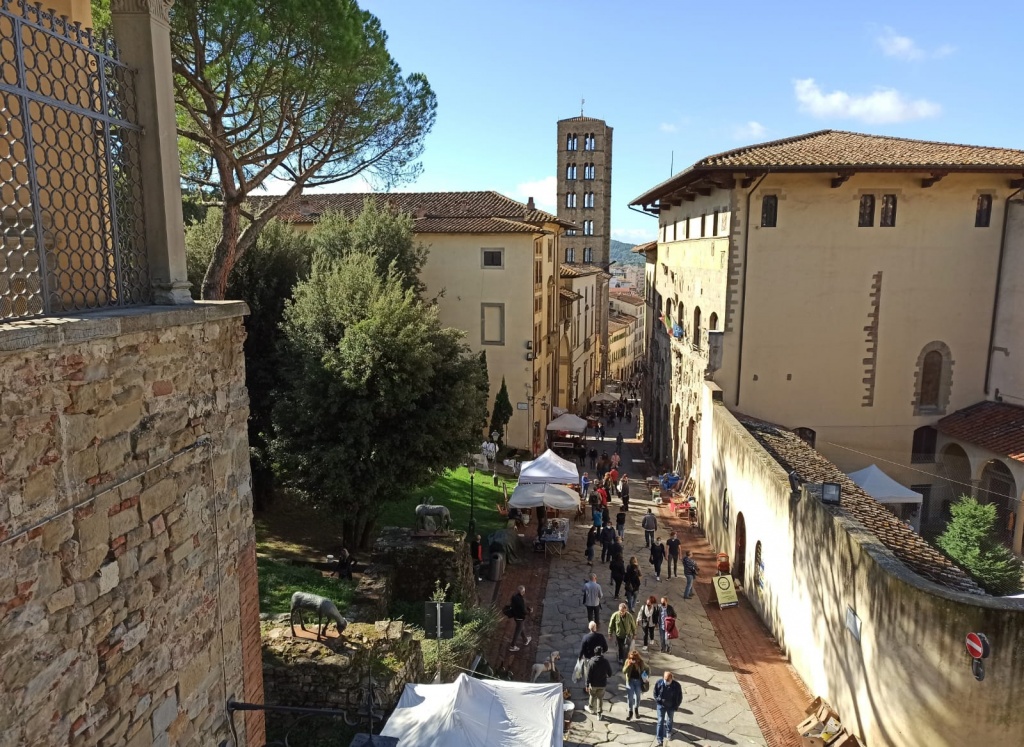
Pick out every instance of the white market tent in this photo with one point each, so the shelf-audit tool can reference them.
(556, 497)
(604, 397)
(550, 468)
(568, 422)
(478, 713)
(883, 488)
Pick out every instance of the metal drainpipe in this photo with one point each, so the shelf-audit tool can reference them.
(999, 278)
(743, 293)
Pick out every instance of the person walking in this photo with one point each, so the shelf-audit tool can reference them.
(518, 612)
(657, 557)
(632, 582)
(623, 627)
(647, 619)
(690, 570)
(666, 623)
(607, 540)
(650, 525)
(616, 551)
(600, 431)
(592, 454)
(592, 641)
(592, 539)
(668, 696)
(597, 515)
(598, 674)
(602, 496)
(620, 522)
(585, 484)
(618, 570)
(673, 555)
(618, 443)
(613, 478)
(624, 491)
(637, 673)
(592, 596)
(476, 552)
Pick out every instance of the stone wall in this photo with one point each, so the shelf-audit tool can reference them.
(333, 673)
(127, 600)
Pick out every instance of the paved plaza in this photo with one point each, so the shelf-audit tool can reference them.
(714, 710)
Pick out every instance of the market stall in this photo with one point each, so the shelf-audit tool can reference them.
(549, 468)
(901, 500)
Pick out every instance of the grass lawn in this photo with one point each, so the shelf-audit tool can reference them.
(278, 581)
(453, 490)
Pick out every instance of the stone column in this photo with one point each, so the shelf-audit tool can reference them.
(142, 31)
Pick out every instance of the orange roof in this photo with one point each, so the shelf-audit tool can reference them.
(626, 296)
(836, 150)
(995, 426)
(650, 246)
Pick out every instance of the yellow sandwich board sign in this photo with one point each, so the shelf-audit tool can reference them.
(725, 591)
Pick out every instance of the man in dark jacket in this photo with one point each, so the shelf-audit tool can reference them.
(690, 571)
(673, 554)
(668, 695)
(607, 540)
(598, 674)
(592, 641)
(519, 611)
(657, 557)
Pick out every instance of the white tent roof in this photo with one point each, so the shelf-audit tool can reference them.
(541, 494)
(604, 397)
(549, 467)
(478, 713)
(883, 488)
(568, 422)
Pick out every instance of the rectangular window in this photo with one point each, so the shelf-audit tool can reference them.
(675, 231)
(493, 259)
(769, 211)
(686, 228)
(492, 324)
(570, 255)
(703, 225)
(866, 217)
(714, 224)
(888, 218)
(983, 216)
(538, 272)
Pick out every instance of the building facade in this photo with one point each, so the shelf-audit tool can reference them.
(493, 268)
(626, 342)
(584, 178)
(579, 375)
(831, 283)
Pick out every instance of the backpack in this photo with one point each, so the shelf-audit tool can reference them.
(508, 611)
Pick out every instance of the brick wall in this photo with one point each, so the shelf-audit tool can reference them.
(125, 528)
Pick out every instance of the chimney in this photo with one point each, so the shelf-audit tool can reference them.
(530, 205)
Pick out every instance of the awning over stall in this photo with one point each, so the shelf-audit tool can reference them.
(883, 488)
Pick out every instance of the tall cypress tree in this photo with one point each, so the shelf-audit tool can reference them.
(502, 412)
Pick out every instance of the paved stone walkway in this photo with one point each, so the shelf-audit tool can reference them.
(714, 711)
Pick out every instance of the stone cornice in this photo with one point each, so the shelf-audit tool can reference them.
(160, 9)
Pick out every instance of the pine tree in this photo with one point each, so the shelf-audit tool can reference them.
(502, 412)
(970, 540)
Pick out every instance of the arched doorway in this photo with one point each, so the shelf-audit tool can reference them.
(739, 560)
(955, 466)
(998, 486)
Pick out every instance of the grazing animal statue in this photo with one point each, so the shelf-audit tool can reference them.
(326, 613)
(425, 511)
(548, 665)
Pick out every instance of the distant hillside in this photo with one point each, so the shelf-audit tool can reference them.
(621, 252)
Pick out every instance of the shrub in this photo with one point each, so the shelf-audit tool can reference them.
(970, 540)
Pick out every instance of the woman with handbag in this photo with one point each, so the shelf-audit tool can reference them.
(637, 682)
(649, 618)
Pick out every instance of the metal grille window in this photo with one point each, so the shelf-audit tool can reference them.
(866, 217)
(983, 215)
(888, 218)
(769, 211)
(70, 178)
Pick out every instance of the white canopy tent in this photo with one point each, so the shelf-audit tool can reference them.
(550, 468)
(478, 713)
(883, 488)
(568, 422)
(531, 495)
(604, 397)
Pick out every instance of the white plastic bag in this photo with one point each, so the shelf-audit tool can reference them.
(577, 671)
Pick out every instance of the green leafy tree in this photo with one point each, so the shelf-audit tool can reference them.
(485, 389)
(970, 540)
(377, 396)
(301, 91)
(502, 412)
(264, 279)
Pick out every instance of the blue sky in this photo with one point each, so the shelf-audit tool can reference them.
(694, 79)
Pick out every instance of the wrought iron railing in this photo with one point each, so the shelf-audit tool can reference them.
(71, 216)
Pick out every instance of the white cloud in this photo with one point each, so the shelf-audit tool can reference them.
(905, 48)
(750, 131)
(635, 235)
(883, 106)
(894, 45)
(668, 127)
(543, 191)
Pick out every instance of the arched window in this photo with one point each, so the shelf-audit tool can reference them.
(570, 171)
(805, 434)
(934, 379)
(696, 326)
(758, 566)
(668, 312)
(570, 199)
(570, 141)
(713, 321)
(923, 451)
(570, 255)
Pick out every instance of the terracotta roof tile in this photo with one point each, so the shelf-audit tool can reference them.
(835, 150)
(792, 453)
(626, 296)
(995, 426)
(569, 294)
(650, 246)
(434, 212)
(578, 271)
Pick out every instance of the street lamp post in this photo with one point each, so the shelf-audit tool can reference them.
(471, 466)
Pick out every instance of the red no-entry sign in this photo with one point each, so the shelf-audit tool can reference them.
(976, 647)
